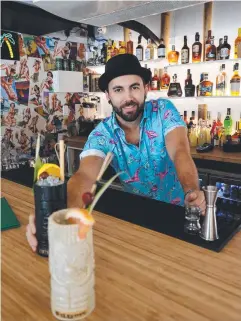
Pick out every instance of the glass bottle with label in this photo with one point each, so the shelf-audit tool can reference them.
(130, 45)
(235, 81)
(174, 89)
(103, 54)
(196, 49)
(155, 80)
(114, 50)
(139, 49)
(219, 48)
(109, 50)
(161, 49)
(206, 86)
(165, 79)
(228, 123)
(221, 81)
(198, 86)
(208, 43)
(149, 52)
(225, 49)
(189, 87)
(122, 49)
(185, 117)
(173, 56)
(211, 51)
(237, 45)
(185, 52)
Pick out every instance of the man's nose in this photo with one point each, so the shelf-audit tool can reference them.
(128, 95)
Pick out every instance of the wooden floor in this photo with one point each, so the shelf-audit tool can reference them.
(141, 275)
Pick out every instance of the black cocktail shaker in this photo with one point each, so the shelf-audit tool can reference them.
(48, 199)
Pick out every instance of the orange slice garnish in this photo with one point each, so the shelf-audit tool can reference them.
(83, 218)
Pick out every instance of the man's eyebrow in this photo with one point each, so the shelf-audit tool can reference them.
(117, 86)
(121, 87)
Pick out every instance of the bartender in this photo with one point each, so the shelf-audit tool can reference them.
(147, 138)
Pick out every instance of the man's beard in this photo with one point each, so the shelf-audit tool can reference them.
(129, 116)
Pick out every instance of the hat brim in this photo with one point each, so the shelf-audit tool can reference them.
(107, 77)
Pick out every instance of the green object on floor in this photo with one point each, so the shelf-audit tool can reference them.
(8, 218)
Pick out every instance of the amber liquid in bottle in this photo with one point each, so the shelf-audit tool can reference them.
(173, 56)
(211, 51)
(237, 45)
(130, 45)
(196, 49)
(235, 81)
(165, 80)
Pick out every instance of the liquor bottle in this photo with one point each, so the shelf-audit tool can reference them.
(165, 79)
(206, 86)
(225, 49)
(130, 45)
(211, 51)
(149, 52)
(185, 117)
(235, 81)
(196, 49)
(202, 138)
(139, 49)
(174, 89)
(228, 123)
(103, 54)
(185, 52)
(237, 45)
(221, 81)
(198, 86)
(154, 81)
(208, 43)
(109, 50)
(173, 56)
(189, 87)
(122, 48)
(161, 50)
(219, 48)
(114, 50)
(239, 127)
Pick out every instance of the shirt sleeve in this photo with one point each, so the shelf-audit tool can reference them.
(96, 144)
(170, 116)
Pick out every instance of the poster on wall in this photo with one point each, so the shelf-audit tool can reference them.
(9, 45)
(31, 46)
(9, 112)
(16, 69)
(8, 89)
(22, 88)
(66, 50)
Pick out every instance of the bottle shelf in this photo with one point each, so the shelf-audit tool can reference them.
(220, 195)
(196, 98)
(165, 63)
(205, 63)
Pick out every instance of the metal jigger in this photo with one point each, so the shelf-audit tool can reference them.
(209, 227)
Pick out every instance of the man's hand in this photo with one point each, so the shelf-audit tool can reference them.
(196, 198)
(30, 233)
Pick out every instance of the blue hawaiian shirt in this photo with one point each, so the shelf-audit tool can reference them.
(148, 169)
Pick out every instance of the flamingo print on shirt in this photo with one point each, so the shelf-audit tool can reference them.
(153, 173)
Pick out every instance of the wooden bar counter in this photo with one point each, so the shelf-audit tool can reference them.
(216, 155)
(141, 275)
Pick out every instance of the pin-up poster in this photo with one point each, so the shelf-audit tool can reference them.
(16, 69)
(66, 50)
(31, 46)
(8, 89)
(9, 113)
(22, 88)
(9, 45)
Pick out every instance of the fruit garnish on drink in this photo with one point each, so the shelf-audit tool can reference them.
(83, 216)
(50, 169)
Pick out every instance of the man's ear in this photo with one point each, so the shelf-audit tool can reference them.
(107, 96)
(146, 88)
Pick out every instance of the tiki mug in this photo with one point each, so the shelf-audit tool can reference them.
(71, 264)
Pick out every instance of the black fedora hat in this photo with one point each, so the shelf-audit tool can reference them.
(121, 65)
